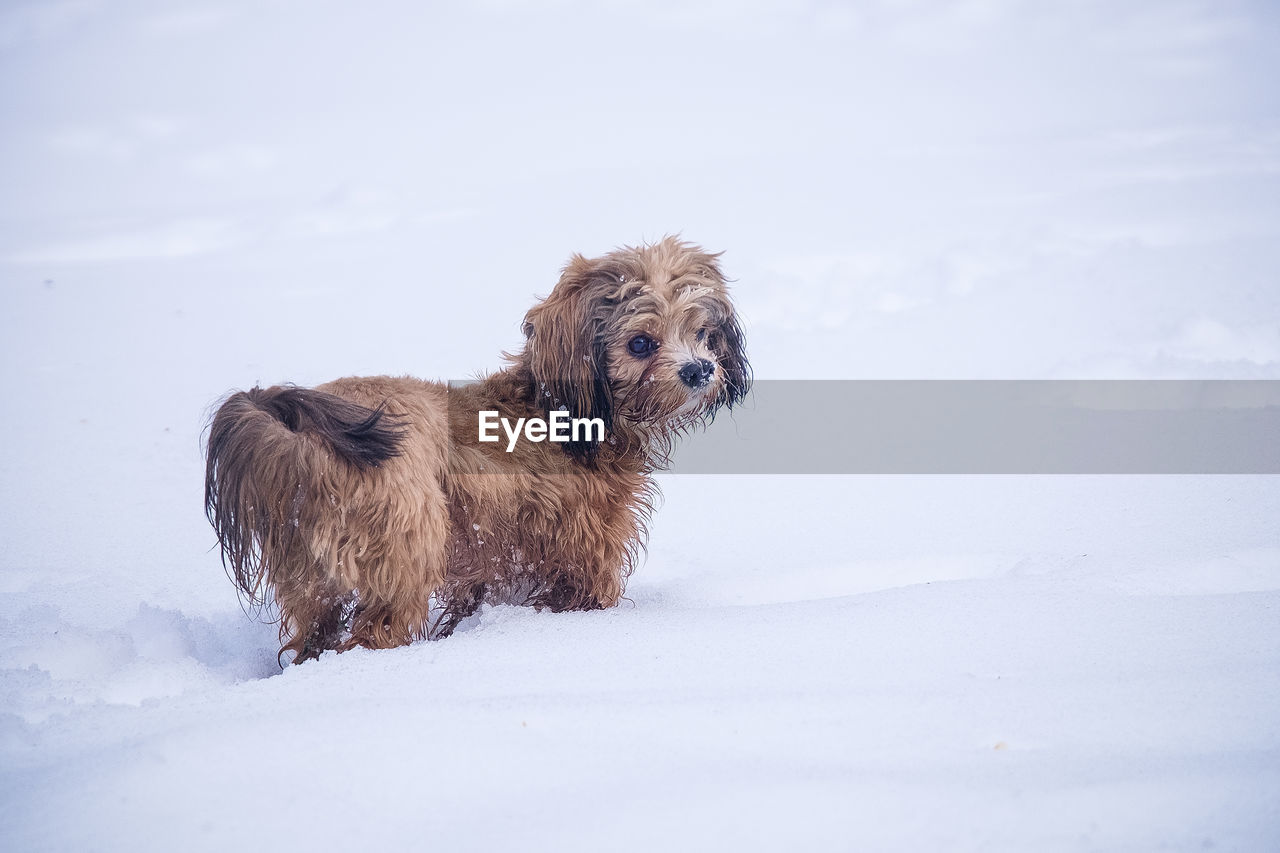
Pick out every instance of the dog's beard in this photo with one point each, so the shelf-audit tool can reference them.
(667, 406)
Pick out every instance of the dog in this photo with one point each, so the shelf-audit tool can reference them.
(374, 512)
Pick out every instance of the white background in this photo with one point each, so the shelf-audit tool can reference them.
(196, 198)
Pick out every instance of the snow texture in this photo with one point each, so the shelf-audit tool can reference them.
(196, 198)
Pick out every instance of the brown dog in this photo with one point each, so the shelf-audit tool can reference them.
(374, 514)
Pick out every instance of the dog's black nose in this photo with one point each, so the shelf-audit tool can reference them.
(696, 373)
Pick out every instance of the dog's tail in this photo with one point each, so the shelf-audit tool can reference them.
(268, 451)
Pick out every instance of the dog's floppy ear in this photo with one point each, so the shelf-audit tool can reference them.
(566, 348)
(725, 339)
(726, 342)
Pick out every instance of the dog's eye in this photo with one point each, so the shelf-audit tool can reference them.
(702, 333)
(641, 346)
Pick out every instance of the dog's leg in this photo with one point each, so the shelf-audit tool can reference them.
(325, 634)
(459, 607)
(379, 624)
(573, 590)
(315, 624)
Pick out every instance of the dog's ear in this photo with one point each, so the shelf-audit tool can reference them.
(726, 342)
(725, 339)
(566, 348)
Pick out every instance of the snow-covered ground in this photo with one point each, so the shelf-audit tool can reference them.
(195, 198)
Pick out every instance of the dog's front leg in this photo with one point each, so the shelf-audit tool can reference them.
(459, 606)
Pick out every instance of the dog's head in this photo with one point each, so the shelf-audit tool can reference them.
(644, 338)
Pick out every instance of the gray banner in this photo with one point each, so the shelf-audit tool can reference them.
(985, 427)
(994, 427)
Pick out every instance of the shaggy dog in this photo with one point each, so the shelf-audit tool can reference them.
(373, 514)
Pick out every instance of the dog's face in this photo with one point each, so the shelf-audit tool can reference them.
(645, 337)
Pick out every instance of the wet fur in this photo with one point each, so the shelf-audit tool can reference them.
(371, 515)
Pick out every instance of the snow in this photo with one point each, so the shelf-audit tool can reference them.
(196, 198)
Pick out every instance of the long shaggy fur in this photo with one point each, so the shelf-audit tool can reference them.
(370, 513)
